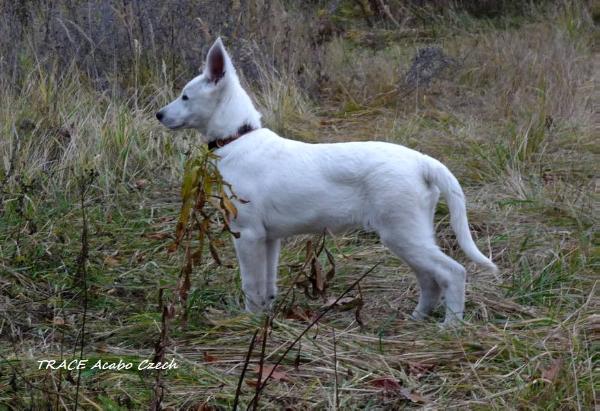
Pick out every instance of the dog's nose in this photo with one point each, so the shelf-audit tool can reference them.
(159, 115)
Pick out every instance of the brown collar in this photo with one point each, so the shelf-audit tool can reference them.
(215, 144)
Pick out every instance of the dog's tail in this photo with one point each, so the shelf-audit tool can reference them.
(448, 185)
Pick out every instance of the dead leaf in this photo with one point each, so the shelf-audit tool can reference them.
(208, 358)
(102, 347)
(228, 206)
(58, 321)
(344, 304)
(139, 256)
(184, 284)
(298, 313)
(331, 273)
(277, 375)
(309, 252)
(412, 396)
(203, 407)
(386, 384)
(141, 183)
(550, 373)
(111, 261)
(180, 227)
(200, 200)
(165, 219)
(317, 273)
(419, 369)
(173, 247)
(169, 311)
(358, 310)
(157, 235)
(196, 257)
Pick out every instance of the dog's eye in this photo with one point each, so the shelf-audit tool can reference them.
(185, 97)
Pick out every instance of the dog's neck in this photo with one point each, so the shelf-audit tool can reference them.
(220, 142)
(234, 111)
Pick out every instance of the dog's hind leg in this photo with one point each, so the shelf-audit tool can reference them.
(437, 274)
(429, 296)
(273, 248)
(430, 291)
(444, 277)
(251, 252)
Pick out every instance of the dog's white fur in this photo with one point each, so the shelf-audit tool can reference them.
(295, 188)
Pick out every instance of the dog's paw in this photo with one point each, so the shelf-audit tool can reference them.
(255, 307)
(452, 323)
(418, 316)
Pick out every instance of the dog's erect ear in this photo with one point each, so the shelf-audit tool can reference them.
(216, 61)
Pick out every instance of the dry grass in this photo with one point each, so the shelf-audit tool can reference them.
(517, 123)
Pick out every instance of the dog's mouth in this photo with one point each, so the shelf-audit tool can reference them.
(171, 126)
(176, 127)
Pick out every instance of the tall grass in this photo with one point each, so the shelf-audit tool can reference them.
(56, 126)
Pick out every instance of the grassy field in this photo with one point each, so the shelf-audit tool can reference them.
(514, 116)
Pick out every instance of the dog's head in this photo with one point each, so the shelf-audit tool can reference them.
(214, 102)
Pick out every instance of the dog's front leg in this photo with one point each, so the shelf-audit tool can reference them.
(273, 248)
(251, 252)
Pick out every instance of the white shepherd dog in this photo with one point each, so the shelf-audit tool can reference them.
(298, 188)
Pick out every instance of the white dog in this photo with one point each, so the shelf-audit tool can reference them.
(298, 188)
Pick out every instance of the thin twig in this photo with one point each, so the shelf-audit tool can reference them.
(388, 13)
(337, 398)
(60, 379)
(246, 361)
(168, 312)
(81, 275)
(261, 362)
